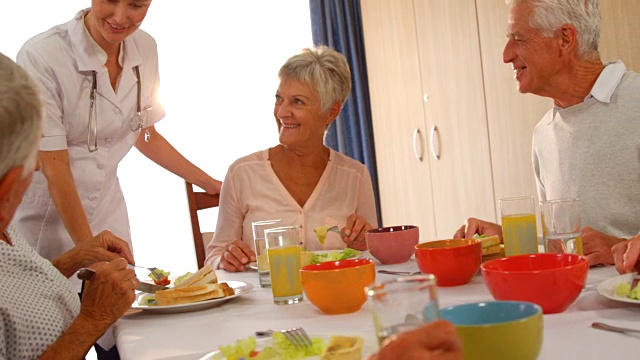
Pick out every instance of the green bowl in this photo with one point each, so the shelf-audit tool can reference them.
(497, 330)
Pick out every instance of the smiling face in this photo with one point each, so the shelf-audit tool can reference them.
(535, 59)
(297, 110)
(111, 21)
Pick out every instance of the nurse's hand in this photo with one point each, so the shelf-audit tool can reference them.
(236, 255)
(213, 186)
(103, 247)
(353, 232)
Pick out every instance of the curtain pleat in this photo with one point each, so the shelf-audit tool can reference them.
(338, 24)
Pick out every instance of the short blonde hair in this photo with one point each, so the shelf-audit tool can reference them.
(325, 70)
(20, 118)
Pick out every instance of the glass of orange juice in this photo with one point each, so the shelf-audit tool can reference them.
(519, 231)
(283, 250)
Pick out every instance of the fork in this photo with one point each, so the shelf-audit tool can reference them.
(297, 336)
(153, 270)
(607, 327)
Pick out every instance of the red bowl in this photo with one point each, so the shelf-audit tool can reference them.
(552, 281)
(453, 262)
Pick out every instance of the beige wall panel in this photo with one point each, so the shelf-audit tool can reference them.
(620, 32)
(452, 77)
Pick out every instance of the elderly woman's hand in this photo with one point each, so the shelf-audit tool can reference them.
(109, 293)
(353, 232)
(236, 255)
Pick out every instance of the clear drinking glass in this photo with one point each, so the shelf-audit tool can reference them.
(283, 249)
(403, 304)
(519, 231)
(262, 260)
(561, 226)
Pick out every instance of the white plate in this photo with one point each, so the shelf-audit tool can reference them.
(239, 287)
(322, 252)
(606, 288)
(368, 347)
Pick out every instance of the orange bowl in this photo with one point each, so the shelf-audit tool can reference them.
(453, 262)
(337, 287)
(393, 244)
(552, 281)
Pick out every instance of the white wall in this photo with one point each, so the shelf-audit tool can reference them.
(218, 66)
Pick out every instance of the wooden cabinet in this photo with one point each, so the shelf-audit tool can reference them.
(437, 64)
(430, 125)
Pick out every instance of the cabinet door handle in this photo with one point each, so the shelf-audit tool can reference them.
(432, 137)
(416, 137)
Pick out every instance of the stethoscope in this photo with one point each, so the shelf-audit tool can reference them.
(93, 113)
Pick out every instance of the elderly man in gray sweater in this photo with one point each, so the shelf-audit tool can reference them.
(588, 145)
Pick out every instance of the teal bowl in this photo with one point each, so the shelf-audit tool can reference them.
(496, 330)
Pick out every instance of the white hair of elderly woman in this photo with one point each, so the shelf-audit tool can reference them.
(549, 15)
(20, 118)
(325, 70)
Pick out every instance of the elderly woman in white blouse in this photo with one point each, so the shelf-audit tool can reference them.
(41, 316)
(300, 181)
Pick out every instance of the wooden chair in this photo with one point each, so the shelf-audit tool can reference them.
(200, 200)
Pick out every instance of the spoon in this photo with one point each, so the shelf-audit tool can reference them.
(607, 327)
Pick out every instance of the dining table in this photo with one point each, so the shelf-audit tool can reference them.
(143, 334)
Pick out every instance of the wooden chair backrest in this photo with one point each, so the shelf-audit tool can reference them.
(199, 200)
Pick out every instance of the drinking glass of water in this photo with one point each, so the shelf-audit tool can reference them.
(561, 226)
(403, 304)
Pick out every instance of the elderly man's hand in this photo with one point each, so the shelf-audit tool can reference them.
(236, 255)
(354, 231)
(476, 226)
(597, 246)
(109, 293)
(102, 247)
(626, 255)
(434, 341)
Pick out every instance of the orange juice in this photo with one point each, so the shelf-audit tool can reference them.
(519, 234)
(284, 264)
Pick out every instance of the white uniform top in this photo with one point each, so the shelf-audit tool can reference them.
(61, 61)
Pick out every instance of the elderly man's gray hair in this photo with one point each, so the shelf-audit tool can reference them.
(325, 70)
(20, 118)
(584, 15)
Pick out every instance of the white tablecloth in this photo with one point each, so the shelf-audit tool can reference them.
(567, 335)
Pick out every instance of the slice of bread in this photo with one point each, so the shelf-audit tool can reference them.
(206, 275)
(343, 348)
(490, 241)
(194, 293)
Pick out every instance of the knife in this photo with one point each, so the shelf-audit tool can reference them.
(87, 274)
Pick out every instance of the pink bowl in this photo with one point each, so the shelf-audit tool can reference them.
(552, 281)
(393, 244)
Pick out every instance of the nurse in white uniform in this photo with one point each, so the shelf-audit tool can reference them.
(98, 75)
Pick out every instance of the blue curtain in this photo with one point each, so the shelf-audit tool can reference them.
(338, 24)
